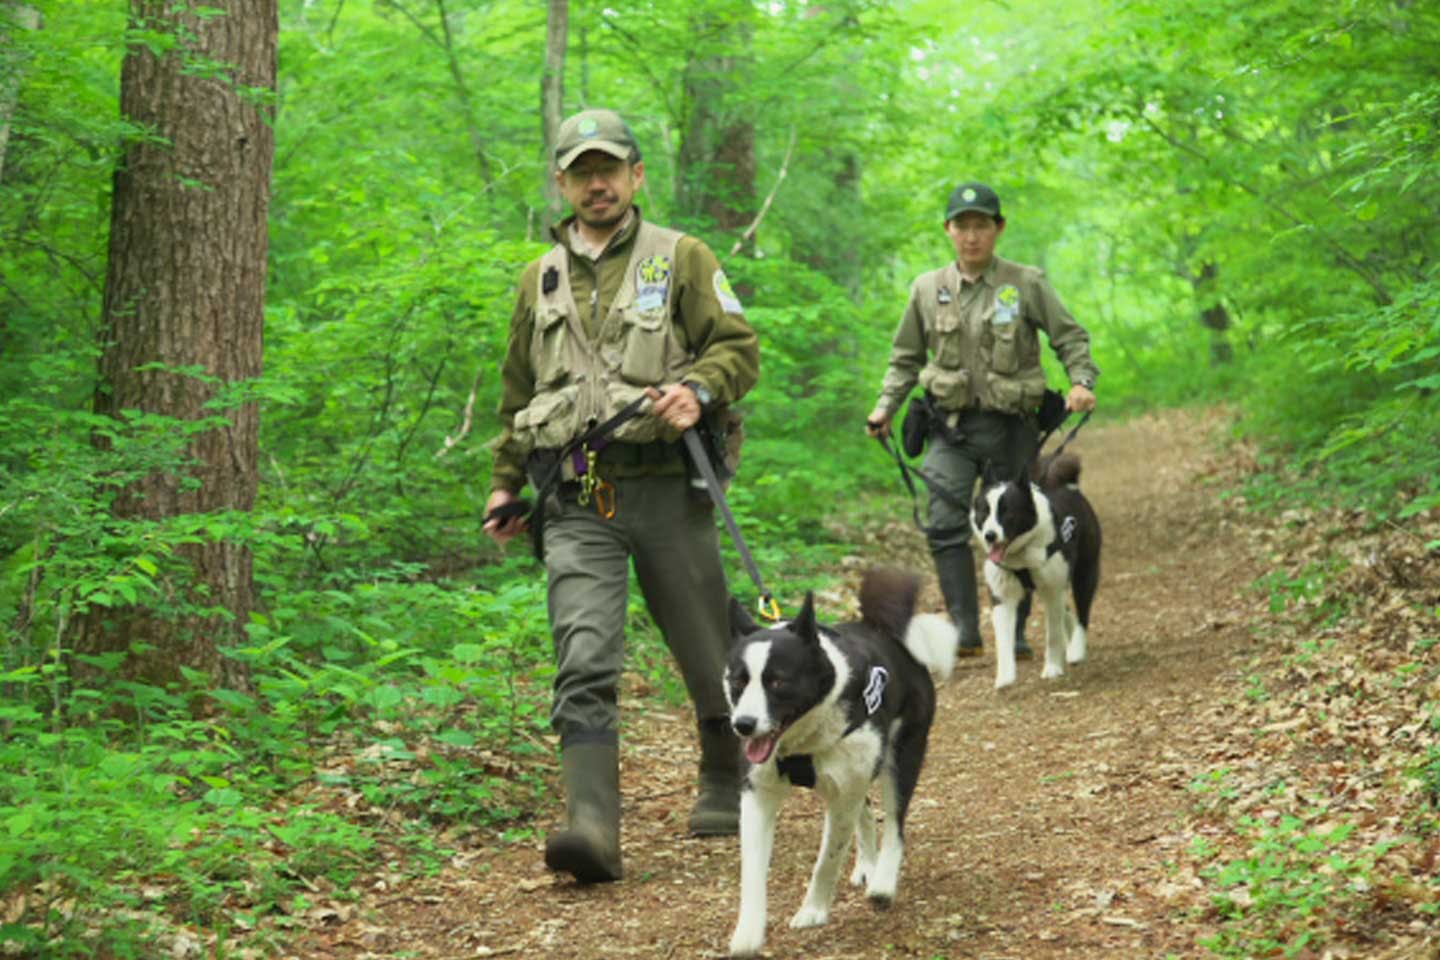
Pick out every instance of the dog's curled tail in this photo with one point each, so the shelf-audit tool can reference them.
(933, 640)
(887, 599)
(1061, 471)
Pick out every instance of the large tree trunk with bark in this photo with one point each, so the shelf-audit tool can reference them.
(185, 289)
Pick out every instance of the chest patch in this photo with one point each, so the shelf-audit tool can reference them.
(875, 688)
(652, 282)
(1007, 304)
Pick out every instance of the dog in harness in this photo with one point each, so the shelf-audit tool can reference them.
(1039, 536)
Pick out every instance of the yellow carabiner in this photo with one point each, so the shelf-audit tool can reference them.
(768, 608)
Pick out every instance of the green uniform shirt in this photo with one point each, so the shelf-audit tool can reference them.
(976, 344)
(708, 319)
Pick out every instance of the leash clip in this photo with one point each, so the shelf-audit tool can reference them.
(768, 608)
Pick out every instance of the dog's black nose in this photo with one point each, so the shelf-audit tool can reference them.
(744, 725)
(989, 536)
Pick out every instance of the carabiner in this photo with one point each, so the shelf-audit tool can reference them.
(605, 498)
(768, 608)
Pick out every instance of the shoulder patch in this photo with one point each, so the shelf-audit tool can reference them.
(725, 293)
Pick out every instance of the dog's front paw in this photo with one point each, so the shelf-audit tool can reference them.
(1005, 678)
(1052, 671)
(808, 916)
(747, 940)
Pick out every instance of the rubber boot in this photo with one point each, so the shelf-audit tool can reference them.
(717, 808)
(955, 568)
(589, 846)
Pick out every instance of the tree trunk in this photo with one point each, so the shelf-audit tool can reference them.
(185, 287)
(22, 17)
(715, 179)
(1213, 315)
(552, 104)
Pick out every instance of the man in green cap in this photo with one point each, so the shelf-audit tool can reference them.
(970, 338)
(618, 310)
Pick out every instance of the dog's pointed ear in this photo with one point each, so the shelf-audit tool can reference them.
(741, 623)
(804, 624)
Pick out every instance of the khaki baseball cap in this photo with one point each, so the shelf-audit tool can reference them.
(601, 130)
(973, 196)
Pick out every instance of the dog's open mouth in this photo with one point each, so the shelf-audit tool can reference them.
(758, 749)
(997, 552)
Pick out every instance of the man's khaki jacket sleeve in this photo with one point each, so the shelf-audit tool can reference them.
(907, 356)
(517, 388)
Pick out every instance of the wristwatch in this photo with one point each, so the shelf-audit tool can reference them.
(702, 393)
(1085, 382)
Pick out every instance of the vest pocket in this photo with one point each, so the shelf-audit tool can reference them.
(547, 346)
(950, 388)
(643, 357)
(1005, 355)
(947, 341)
(549, 421)
(1016, 394)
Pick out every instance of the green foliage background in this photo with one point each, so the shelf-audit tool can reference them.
(1271, 158)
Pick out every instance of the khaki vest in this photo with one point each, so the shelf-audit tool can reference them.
(990, 358)
(579, 381)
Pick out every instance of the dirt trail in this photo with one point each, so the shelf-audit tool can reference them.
(1044, 818)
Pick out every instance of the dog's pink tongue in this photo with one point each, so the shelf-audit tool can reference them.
(997, 553)
(758, 749)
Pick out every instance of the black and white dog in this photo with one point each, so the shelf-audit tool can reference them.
(833, 708)
(1040, 537)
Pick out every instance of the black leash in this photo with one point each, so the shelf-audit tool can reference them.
(767, 606)
(934, 484)
(908, 471)
(1068, 437)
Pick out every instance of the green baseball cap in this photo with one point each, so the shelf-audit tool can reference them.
(601, 130)
(973, 196)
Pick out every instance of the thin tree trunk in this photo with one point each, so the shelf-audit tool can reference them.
(552, 104)
(185, 288)
(11, 68)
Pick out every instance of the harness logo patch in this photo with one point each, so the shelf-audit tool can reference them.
(1067, 529)
(875, 688)
(652, 282)
(726, 294)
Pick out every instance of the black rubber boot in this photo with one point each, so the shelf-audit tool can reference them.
(589, 846)
(955, 568)
(717, 808)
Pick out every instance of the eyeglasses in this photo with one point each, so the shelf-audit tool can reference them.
(579, 175)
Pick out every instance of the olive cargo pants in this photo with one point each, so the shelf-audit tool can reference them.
(672, 541)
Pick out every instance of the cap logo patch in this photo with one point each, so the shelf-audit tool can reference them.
(726, 294)
(968, 196)
(587, 127)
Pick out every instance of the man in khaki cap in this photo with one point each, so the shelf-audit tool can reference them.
(618, 309)
(970, 337)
